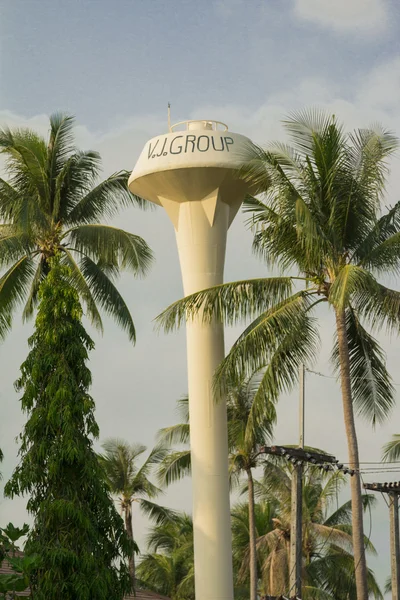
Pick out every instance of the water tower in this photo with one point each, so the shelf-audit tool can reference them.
(192, 173)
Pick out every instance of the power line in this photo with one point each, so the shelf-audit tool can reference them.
(353, 378)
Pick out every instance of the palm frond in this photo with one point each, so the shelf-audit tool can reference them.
(13, 244)
(174, 467)
(156, 513)
(60, 147)
(334, 535)
(391, 450)
(377, 250)
(380, 307)
(267, 341)
(32, 300)
(105, 200)
(229, 302)
(351, 280)
(75, 179)
(111, 246)
(26, 161)
(107, 296)
(372, 388)
(14, 286)
(342, 515)
(155, 457)
(370, 149)
(175, 434)
(308, 127)
(83, 289)
(298, 346)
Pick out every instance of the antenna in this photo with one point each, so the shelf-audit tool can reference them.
(169, 116)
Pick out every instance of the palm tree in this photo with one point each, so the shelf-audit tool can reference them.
(51, 202)
(328, 563)
(320, 216)
(244, 440)
(168, 567)
(131, 483)
(264, 515)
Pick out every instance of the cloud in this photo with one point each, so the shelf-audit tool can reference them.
(345, 16)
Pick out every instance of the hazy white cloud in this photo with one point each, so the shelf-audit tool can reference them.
(348, 16)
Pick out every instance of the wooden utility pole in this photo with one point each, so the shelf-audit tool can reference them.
(296, 524)
(393, 491)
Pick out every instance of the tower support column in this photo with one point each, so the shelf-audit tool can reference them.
(201, 231)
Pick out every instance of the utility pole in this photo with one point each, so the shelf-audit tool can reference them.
(393, 491)
(296, 524)
(298, 456)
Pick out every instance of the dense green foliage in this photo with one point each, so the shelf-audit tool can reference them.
(261, 525)
(328, 563)
(77, 531)
(22, 566)
(168, 567)
(52, 202)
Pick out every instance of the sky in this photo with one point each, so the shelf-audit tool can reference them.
(249, 63)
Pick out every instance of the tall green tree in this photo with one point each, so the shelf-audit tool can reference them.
(51, 201)
(131, 483)
(245, 436)
(77, 531)
(321, 216)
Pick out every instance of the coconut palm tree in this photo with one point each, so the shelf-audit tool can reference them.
(131, 483)
(320, 216)
(244, 441)
(264, 515)
(168, 567)
(51, 202)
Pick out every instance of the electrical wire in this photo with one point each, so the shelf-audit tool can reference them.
(335, 378)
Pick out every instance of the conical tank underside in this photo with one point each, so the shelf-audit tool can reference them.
(188, 165)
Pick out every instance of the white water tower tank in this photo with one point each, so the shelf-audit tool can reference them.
(192, 172)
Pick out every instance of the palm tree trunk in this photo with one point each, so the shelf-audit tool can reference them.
(129, 530)
(352, 444)
(252, 532)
